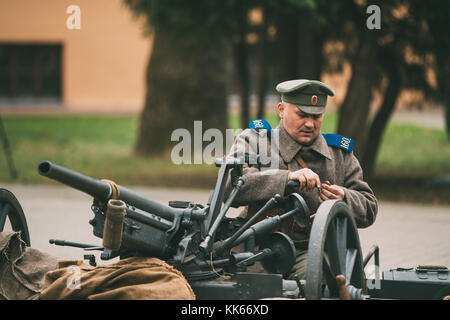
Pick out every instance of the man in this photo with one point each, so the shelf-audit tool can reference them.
(325, 168)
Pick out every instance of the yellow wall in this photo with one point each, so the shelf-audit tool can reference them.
(104, 62)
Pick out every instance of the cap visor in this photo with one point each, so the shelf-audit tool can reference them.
(311, 110)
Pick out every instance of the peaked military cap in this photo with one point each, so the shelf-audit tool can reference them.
(310, 96)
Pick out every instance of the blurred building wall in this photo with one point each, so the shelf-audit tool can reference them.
(103, 63)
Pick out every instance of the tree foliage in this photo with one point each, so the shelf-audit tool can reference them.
(186, 71)
(412, 42)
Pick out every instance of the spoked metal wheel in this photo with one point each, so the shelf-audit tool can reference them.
(12, 217)
(334, 268)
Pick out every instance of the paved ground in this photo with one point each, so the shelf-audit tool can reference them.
(408, 235)
(432, 118)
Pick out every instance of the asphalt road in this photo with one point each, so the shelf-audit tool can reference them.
(408, 235)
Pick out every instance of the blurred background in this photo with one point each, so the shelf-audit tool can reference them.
(88, 82)
(99, 85)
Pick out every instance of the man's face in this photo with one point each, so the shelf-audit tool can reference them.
(302, 127)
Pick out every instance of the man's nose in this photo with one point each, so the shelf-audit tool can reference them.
(309, 123)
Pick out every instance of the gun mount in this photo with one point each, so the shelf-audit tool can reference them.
(199, 241)
(190, 236)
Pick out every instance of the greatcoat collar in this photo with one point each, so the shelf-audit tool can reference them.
(289, 147)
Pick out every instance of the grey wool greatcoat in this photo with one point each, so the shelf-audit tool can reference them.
(334, 164)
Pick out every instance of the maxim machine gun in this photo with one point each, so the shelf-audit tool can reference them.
(201, 242)
(192, 237)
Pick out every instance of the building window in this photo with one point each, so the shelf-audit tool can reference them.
(30, 73)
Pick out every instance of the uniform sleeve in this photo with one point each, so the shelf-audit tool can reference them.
(358, 194)
(260, 185)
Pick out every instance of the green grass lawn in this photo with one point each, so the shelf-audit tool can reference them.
(102, 147)
(99, 146)
(412, 151)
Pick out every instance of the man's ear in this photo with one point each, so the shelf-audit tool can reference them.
(280, 109)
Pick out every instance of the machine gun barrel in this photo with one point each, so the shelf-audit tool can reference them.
(102, 190)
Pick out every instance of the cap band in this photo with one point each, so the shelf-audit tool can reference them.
(305, 99)
(312, 110)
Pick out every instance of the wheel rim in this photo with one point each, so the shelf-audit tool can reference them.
(11, 210)
(284, 253)
(334, 249)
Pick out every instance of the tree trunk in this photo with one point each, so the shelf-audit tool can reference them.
(443, 79)
(379, 124)
(185, 82)
(447, 119)
(354, 112)
(287, 46)
(242, 70)
(311, 39)
(262, 67)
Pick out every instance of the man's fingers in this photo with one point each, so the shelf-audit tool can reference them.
(308, 179)
(311, 183)
(328, 194)
(334, 189)
(306, 182)
(330, 188)
(302, 180)
(326, 186)
(323, 197)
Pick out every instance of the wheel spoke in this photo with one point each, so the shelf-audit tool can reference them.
(341, 230)
(332, 249)
(350, 263)
(3, 214)
(330, 278)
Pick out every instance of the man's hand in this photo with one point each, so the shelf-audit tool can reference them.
(331, 191)
(308, 179)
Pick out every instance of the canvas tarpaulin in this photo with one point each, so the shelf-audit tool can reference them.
(132, 278)
(27, 273)
(22, 269)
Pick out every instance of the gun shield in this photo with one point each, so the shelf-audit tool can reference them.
(113, 228)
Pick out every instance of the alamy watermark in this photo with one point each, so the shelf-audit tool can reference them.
(189, 149)
(373, 277)
(374, 20)
(74, 280)
(73, 22)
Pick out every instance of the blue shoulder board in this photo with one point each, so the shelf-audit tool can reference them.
(259, 124)
(337, 140)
